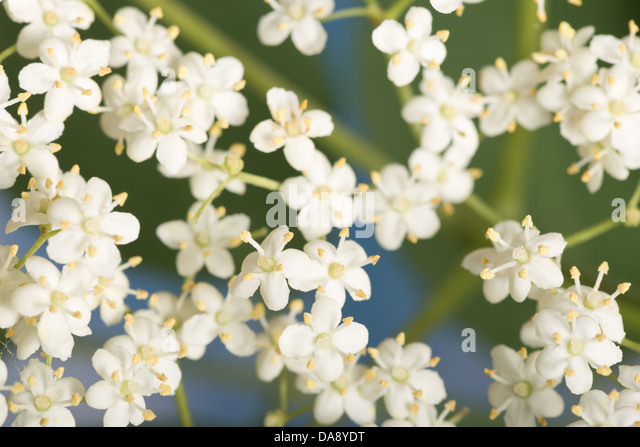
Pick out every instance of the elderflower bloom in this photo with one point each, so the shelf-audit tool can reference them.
(10, 279)
(597, 409)
(65, 75)
(269, 268)
(299, 19)
(623, 52)
(56, 300)
(292, 126)
(47, 18)
(337, 270)
(42, 397)
(205, 242)
(4, 410)
(324, 341)
(412, 46)
(520, 258)
(510, 98)
(519, 390)
(403, 374)
(573, 345)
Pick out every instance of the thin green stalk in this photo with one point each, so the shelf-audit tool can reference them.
(398, 9)
(260, 77)
(216, 192)
(511, 183)
(635, 197)
(48, 360)
(102, 15)
(45, 234)
(8, 52)
(347, 13)
(283, 390)
(300, 411)
(182, 405)
(590, 232)
(259, 181)
(483, 209)
(633, 345)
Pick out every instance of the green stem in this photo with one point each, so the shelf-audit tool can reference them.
(483, 209)
(347, 13)
(260, 77)
(45, 234)
(590, 232)
(259, 181)
(7, 52)
(635, 197)
(512, 182)
(182, 405)
(283, 390)
(216, 192)
(397, 9)
(102, 15)
(48, 360)
(294, 414)
(633, 345)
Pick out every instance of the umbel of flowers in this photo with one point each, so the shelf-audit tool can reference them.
(585, 82)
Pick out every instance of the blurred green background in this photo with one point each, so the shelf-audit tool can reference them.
(421, 288)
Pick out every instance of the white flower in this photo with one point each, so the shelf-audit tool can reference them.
(510, 98)
(28, 144)
(424, 415)
(298, 19)
(205, 243)
(144, 42)
(446, 111)
(323, 196)
(269, 268)
(402, 372)
(216, 85)
(56, 300)
(325, 341)
(42, 397)
(270, 362)
(65, 75)
(624, 52)
(403, 207)
(10, 280)
(519, 390)
(612, 107)
(342, 396)
(412, 46)
(337, 270)
(597, 409)
(126, 382)
(520, 258)
(573, 345)
(4, 410)
(47, 18)
(90, 226)
(448, 6)
(292, 126)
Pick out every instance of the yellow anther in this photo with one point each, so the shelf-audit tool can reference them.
(522, 352)
(604, 371)
(569, 372)
(307, 318)
(543, 250)
(310, 384)
(572, 315)
(348, 321)
(557, 338)
(577, 410)
(523, 273)
(434, 361)
(350, 358)
(311, 365)
(575, 273)
(128, 319)
(400, 338)
(493, 414)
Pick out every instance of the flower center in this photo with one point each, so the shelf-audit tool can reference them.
(292, 129)
(223, 317)
(522, 389)
(336, 271)
(42, 403)
(414, 46)
(323, 341)
(58, 298)
(521, 255)
(21, 147)
(68, 74)
(266, 263)
(635, 59)
(163, 124)
(145, 352)
(448, 111)
(205, 91)
(575, 347)
(617, 108)
(203, 240)
(128, 388)
(340, 384)
(296, 12)
(50, 18)
(400, 204)
(91, 226)
(592, 300)
(399, 374)
(443, 177)
(143, 46)
(510, 97)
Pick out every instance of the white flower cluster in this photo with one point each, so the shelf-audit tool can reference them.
(577, 330)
